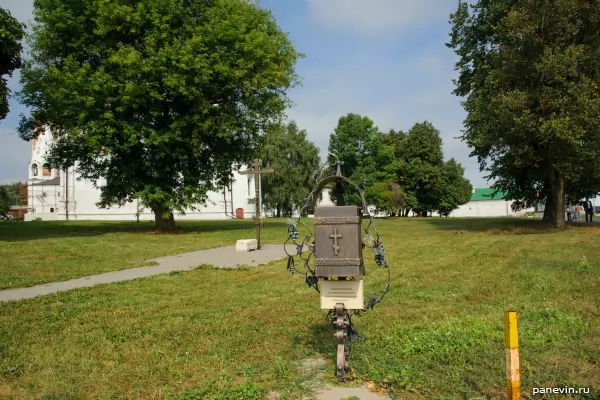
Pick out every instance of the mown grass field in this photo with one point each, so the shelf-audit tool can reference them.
(33, 253)
(239, 334)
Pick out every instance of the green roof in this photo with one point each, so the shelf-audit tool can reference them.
(16, 207)
(485, 194)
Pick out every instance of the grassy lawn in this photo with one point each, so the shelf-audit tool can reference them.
(238, 334)
(33, 253)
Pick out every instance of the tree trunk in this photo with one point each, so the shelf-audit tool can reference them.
(548, 205)
(161, 223)
(558, 198)
(548, 210)
(278, 210)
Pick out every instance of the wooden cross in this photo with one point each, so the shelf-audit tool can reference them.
(335, 236)
(257, 172)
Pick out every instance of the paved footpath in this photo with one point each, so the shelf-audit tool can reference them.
(222, 257)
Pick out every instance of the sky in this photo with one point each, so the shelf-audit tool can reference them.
(384, 59)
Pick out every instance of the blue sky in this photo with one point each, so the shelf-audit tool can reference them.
(385, 59)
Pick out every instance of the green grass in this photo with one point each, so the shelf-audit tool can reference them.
(33, 253)
(239, 334)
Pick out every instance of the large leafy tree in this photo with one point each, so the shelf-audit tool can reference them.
(11, 35)
(424, 161)
(353, 142)
(387, 196)
(5, 201)
(295, 160)
(455, 190)
(529, 71)
(159, 97)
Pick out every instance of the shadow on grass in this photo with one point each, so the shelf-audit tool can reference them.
(12, 231)
(320, 338)
(502, 226)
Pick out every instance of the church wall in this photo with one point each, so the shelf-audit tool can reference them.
(50, 201)
(83, 198)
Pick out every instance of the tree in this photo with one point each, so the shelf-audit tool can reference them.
(352, 143)
(295, 160)
(424, 161)
(386, 196)
(11, 34)
(159, 97)
(455, 190)
(5, 201)
(529, 71)
(12, 189)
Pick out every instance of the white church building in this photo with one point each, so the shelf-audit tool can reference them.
(60, 195)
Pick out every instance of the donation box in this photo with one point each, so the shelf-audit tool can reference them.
(338, 243)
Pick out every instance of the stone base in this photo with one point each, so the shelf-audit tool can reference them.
(245, 245)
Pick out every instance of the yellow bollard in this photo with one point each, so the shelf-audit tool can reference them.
(513, 374)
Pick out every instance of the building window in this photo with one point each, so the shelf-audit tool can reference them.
(57, 173)
(51, 209)
(47, 171)
(250, 186)
(34, 170)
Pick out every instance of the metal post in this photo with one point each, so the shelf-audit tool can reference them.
(257, 172)
(339, 188)
(66, 174)
(257, 211)
(231, 197)
(260, 192)
(513, 375)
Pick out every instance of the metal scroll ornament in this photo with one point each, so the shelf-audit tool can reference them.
(305, 251)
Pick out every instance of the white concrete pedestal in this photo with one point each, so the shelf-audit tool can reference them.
(245, 245)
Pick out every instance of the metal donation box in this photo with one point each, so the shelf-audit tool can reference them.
(338, 243)
(336, 246)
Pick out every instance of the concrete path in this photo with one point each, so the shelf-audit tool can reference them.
(222, 257)
(339, 393)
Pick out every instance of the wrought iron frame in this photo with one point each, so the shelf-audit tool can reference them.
(340, 316)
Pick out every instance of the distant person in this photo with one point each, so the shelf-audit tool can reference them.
(569, 213)
(578, 213)
(589, 210)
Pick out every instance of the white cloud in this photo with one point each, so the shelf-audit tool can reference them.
(376, 17)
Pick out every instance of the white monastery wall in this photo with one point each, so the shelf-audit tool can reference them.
(51, 191)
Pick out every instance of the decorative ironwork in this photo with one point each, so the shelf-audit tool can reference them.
(336, 220)
(340, 316)
(333, 262)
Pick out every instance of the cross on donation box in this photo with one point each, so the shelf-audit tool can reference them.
(257, 172)
(335, 236)
(338, 244)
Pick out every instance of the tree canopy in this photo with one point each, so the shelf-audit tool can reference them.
(159, 97)
(401, 171)
(529, 73)
(11, 35)
(5, 201)
(295, 160)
